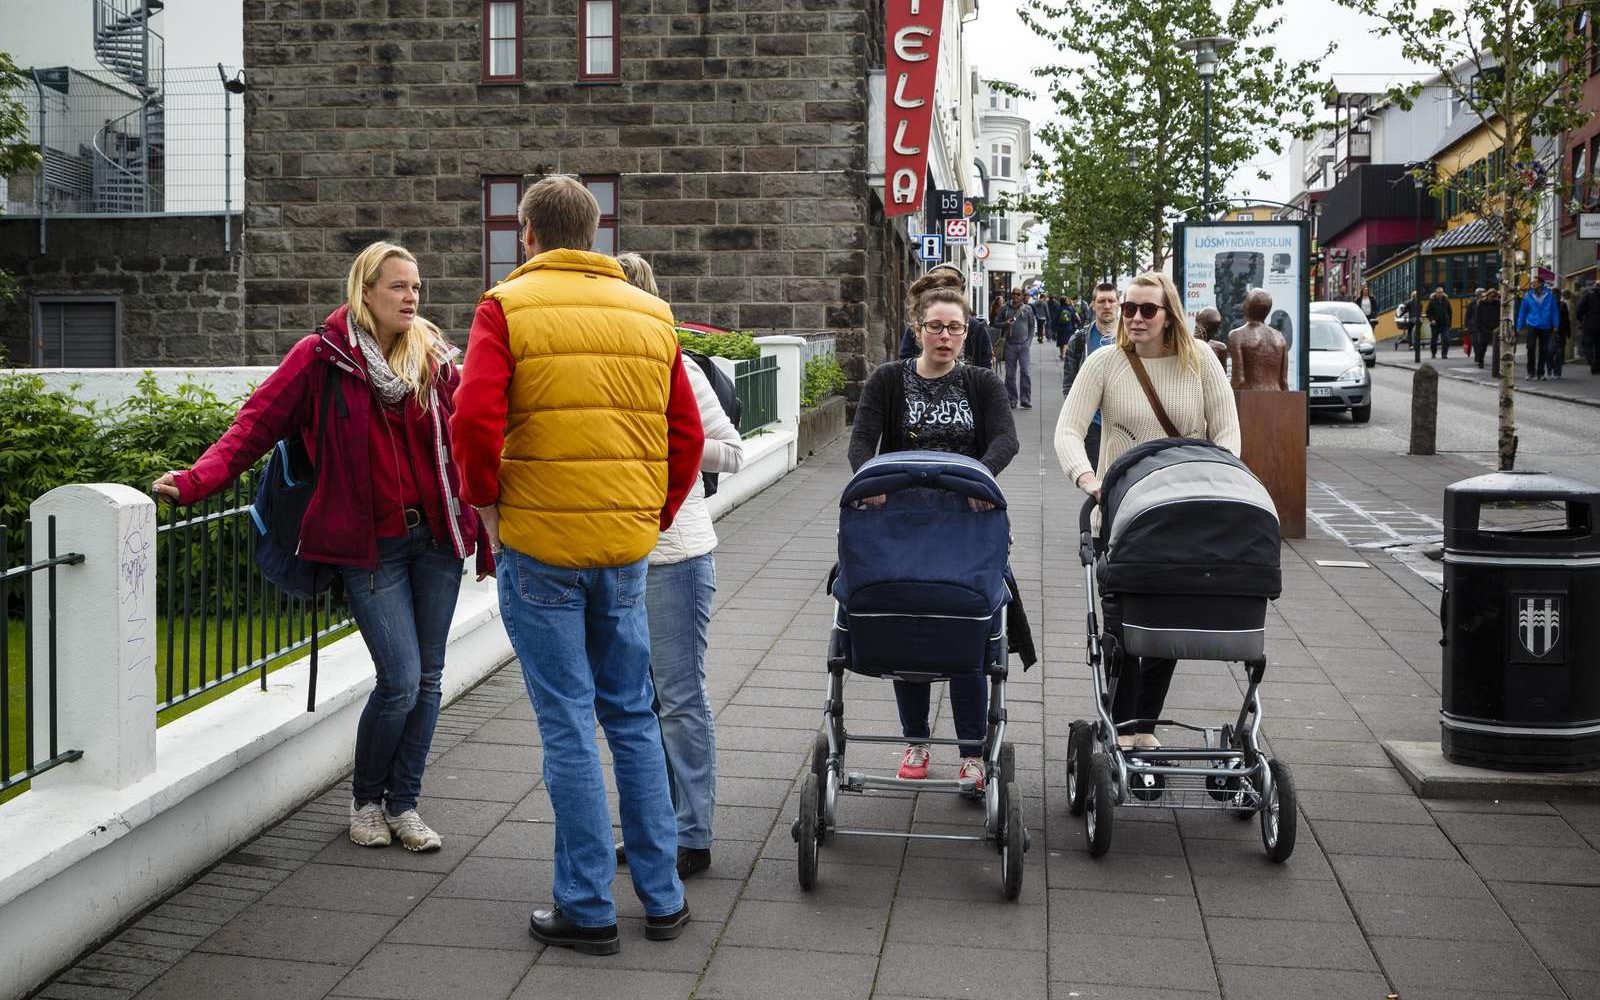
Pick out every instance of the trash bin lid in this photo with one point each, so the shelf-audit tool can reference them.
(1570, 528)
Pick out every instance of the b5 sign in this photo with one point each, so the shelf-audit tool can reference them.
(912, 70)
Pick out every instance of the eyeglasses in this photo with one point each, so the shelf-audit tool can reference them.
(953, 329)
(1146, 309)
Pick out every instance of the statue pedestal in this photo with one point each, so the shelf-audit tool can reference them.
(1272, 427)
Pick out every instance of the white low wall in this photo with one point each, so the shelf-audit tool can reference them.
(92, 843)
(109, 386)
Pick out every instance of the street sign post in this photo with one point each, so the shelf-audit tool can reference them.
(957, 232)
(931, 248)
(982, 252)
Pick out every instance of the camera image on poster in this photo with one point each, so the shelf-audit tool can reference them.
(1220, 263)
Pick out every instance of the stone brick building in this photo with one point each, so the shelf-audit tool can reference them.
(726, 140)
(133, 291)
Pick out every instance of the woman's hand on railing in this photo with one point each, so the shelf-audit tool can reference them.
(875, 501)
(166, 485)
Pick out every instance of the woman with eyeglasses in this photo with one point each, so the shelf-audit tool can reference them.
(934, 402)
(1197, 400)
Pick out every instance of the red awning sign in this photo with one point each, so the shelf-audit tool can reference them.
(912, 70)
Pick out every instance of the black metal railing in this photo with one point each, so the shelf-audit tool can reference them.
(18, 687)
(217, 618)
(756, 384)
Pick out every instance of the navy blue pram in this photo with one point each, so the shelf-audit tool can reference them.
(922, 593)
(921, 584)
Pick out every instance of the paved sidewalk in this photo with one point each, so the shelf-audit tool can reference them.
(1385, 894)
(1576, 384)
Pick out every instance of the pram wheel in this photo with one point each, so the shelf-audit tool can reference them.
(1279, 820)
(1223, 789)
(806, 832)
(1146, 787)
(819, 756)
(1080, 748)
(1005, 775)
(1099, 806)
(1014, 843)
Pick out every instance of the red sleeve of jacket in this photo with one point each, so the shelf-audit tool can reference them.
(686, 442)
(478, 430)
(277, 408)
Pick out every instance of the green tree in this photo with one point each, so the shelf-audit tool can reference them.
(16, 152)
(1510, 63)
(1124, 88)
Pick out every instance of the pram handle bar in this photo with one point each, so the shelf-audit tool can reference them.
(923, 470)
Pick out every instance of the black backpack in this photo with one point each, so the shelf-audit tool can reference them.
(722, 385)
(282, 497)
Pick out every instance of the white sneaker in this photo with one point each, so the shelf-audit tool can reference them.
(367, 827)
(414, 834)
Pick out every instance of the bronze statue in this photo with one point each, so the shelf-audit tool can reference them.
(1259, 353)
(1206, 324)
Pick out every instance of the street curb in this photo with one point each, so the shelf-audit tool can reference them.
(1543, 393)
(1423, 766)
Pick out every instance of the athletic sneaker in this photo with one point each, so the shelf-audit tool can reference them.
(972, 767)
(914, 765)
(367, 827)
(414, 834)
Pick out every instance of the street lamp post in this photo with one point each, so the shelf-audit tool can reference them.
(1208, 51)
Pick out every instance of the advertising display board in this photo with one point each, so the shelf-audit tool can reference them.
(1219, 263)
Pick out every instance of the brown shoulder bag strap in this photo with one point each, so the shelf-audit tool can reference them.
(1150, 393)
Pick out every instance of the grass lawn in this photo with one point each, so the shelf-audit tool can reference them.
(216, 635)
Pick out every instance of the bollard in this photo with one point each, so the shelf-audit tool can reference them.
(1424, 410)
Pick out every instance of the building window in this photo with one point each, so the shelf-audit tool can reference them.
(502, 236)
(598, 34)
(994, 101)
(502, 41)
(76, 333)
(604, 190)
(1000, 159)
(1002, 229)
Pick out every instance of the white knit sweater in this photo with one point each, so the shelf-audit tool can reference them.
(1200, 405)
(691, 533)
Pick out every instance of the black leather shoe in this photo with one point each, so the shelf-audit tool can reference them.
(693, 860)
(622, 855)
(553, 928)
(668, 927)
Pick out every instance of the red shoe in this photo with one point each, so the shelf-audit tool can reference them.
(914, 764)
(972, 767)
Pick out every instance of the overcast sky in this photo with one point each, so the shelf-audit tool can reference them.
(1001, 46)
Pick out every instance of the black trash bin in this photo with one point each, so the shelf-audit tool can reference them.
(1521, 618)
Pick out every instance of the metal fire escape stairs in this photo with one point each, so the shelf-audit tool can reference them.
(130, 150)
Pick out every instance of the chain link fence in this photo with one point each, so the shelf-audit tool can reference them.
(115, 146)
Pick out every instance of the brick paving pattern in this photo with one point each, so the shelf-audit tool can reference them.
(1385, 893)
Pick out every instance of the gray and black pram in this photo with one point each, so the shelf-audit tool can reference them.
(1182, 566)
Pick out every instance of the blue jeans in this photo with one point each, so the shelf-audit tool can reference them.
(1017, 370)
(582, 637)
(403, 609)
(969, 703)
(678, 598)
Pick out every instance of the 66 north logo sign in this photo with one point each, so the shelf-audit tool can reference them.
(1538, 626)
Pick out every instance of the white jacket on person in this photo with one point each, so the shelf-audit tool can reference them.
(691, 533)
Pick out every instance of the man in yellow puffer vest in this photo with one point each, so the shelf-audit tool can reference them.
(578, 436)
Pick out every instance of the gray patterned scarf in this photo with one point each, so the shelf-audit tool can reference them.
(390, 386)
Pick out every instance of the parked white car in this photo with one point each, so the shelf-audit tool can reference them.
(1355, 324)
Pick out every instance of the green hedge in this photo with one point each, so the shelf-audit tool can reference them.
(823, 378)
(733, 346)
(52, 438)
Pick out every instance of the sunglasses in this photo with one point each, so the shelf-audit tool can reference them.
(1146, 309)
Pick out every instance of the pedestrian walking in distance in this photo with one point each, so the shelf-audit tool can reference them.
(579, 438)
(679, 588)
(1100, 331)
(1017, 320)
(933, 403)
(1486, 328)
(384, 510)
(1536, 316)
(1587, 315)
(1439, 320)
(1189, 392)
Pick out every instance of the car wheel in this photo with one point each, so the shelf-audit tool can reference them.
(1361, 414)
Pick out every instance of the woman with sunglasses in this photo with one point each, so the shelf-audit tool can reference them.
(1193, 391)
(934, 402)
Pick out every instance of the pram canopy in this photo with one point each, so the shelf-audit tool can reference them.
(921, 581)
(1184, 516)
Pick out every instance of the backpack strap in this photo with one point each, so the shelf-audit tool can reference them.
(1150, 393)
